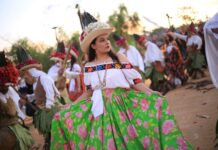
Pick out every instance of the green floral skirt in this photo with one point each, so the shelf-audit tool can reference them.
(132, 120)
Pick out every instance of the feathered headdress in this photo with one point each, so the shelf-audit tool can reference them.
(25, 61)
(8, 72)
(60, 53)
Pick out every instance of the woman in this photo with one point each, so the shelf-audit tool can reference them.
(117, 111)
(73, 73)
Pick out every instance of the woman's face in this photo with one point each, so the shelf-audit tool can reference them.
(102, 44)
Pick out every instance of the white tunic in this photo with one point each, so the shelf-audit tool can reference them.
(114, 78)
(152, 54)
(194, 39)
(48, 85)
(133, 56)
(15, 97)
(211, 47)
(53, 72)
(72, 75)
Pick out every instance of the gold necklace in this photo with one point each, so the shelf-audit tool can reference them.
(103, 82)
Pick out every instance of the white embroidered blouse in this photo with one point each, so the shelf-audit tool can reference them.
(114, 75)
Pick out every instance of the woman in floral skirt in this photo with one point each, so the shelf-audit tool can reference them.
(118, 111)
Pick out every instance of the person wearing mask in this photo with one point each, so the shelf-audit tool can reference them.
(45, 92)
(131, 52)
(154, 64)
(56, 71)
(10, 112)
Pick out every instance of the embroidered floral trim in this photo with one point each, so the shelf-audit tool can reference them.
(108, 66)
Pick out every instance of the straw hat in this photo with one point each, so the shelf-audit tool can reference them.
(91, 32)
(92, 29)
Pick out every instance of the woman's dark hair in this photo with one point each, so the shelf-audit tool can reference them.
(92, 54)
(72, 62)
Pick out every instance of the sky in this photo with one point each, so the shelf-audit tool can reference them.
(34, 19)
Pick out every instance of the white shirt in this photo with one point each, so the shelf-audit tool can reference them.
(152, 54)
(48, 85)
(194, 39)
(15, 97)
(211, 47)
(133, 56)
(53, 71)
(72, 75)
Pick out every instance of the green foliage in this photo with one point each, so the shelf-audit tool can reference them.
(40, 56)
(123, 22)
(187, 14)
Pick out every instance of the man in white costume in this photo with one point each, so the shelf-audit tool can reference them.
(56, 72)
(131, 52)
(154, 64)
(211, 45)
(45, 92)
(10, 111)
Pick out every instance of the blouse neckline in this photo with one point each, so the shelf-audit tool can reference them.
(109, 65)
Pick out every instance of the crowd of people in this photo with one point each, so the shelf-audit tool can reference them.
(103, 103)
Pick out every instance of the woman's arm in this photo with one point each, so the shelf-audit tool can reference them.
(85, 95)
(141, 87)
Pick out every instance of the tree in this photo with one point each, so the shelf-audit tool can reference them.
(31, 48)
(123, 22)
(187, 14)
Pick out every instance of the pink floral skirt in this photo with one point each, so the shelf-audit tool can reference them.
(132, 120)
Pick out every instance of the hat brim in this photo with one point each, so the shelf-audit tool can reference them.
(56, 59)
(74, 54)
(37, 66)
(91, 36)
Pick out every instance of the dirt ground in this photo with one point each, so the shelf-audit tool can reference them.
(195, 107)
(196, 110)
